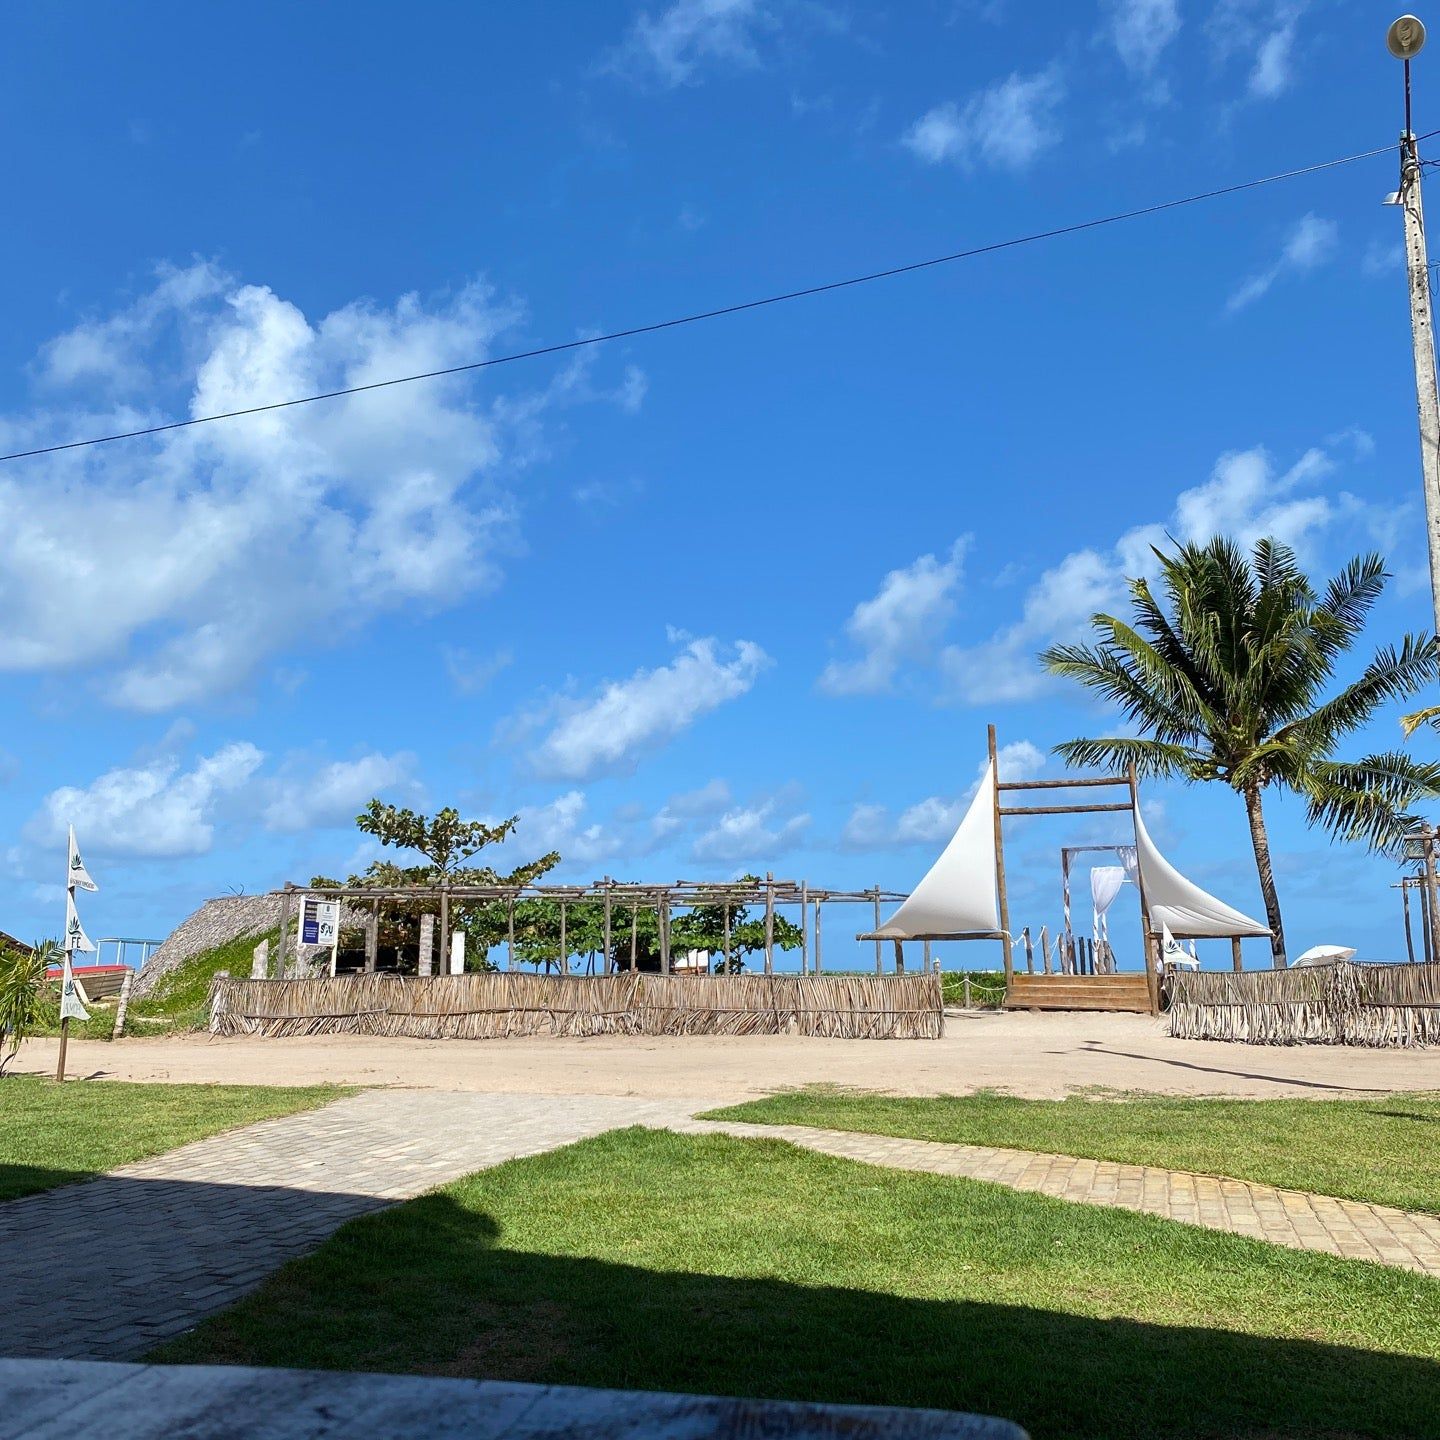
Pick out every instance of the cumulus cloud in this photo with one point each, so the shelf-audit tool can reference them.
(933, 821)
(191, 558)
(902, 622)
(1259, 35)
(1245, 497)
(562, 824)
(612, 728)
(750, 833)
(1309, 244)
(157, 810)
(308, 796)
(1141, 31)
(1004, 127)
(675, 44)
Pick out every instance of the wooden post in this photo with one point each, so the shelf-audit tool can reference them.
(804, 933)
(634, 934)
(426, 963)
(1145, 926)
(818, 957)
(899, 957)
(284, 932)
(664, 935)
(726, 961)
(1009, 945)
(1432, 891)
(1235, 958)
(372, 938)
(1045, 948)
(1152, 980)
(926, 952)
(64, 1043)
(1029, 951)
(609, 958)
(879, 963)
(564, 943)
(1427, 940)
(260, 961)
(769, 922)
(1067, 939)
(510, 938)
(1409, 936)
(123, 1007)
(444, 966)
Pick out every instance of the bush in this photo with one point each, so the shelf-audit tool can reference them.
(23, 1000)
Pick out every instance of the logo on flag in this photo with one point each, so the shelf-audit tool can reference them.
(75, 936)
(77, 877)
(71, 1006)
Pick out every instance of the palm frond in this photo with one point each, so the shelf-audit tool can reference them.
(1152, 759)
(1370, 800)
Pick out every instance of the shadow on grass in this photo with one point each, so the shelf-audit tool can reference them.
(432, 1289)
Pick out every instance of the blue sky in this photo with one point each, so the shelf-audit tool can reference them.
(738, 596)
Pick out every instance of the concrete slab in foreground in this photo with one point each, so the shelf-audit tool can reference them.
(41, 1399)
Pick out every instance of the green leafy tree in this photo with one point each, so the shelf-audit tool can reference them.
(445, 844)
(22, 994)
(1229, 677)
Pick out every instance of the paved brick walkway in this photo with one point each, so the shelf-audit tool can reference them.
(108, 1268)
(1284, 1217)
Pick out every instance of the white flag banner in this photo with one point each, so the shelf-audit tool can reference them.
(75, 936)
(71, 1006)
(77, 877)
(1171, 950)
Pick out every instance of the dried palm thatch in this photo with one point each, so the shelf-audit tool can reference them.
(1339, 1004)
(491, 1006)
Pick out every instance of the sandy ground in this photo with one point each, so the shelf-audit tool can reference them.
(1041, 1055)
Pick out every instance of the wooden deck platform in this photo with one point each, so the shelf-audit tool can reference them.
(1079, 992)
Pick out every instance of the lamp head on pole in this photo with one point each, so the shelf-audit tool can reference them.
(1405, 37)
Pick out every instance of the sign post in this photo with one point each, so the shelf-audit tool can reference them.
(77, 877)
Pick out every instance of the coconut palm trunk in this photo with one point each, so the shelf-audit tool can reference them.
(1260, 839)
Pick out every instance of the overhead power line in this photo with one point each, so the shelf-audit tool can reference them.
(739, 308)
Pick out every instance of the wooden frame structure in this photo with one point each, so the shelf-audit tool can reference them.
(1420, 848)
(621, 900)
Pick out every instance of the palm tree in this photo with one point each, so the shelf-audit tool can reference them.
(1226, 682)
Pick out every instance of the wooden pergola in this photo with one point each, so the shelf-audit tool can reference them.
(621, 903)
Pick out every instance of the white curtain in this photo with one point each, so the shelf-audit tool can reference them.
(1105, 883)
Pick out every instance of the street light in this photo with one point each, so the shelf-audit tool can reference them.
(1406, 37)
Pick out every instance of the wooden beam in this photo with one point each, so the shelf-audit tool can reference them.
(1006, 942)
(1059, 784)
(1058, 809)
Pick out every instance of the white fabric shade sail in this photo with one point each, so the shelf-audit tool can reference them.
(1105, 883)
(958, 895)
(1179, 904)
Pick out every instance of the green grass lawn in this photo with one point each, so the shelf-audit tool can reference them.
(53, 1134)
(652, 1260)
(1384, 1151)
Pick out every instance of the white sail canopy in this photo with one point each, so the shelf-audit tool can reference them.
(957, 895)
(1179, 904)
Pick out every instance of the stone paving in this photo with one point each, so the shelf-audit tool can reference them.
(109, 1268)
(1349, 1228)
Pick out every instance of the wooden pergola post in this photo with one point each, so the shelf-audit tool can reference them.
(284, 932)
(726, 961)
(609, 963)
(1432, 893)
(879, 962)
(664, 935)
(372, 937)
(1006, 942)
(804, 922)
(1409, 934)
(564, 943)
(1152, 980)
(510, 940)
(899, 957)
(819, 903)
(1235, 957)
(769, 922)
(634, 933)
(443, 968)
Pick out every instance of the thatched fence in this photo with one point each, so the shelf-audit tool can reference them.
(494, 1005)
(1339, 1004)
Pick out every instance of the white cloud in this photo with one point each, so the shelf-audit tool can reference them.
(902, 622)
(190, 559)
(1383, 258)
(1245, 497)
(1005, 127)
(750, 833)
(933, 821)
(561, 825)
(470, 673)
(307, 795)
(1310, 243)
(1140, 31)
(673, 45)
(627, 717)
(1259, 34)
(156, 810)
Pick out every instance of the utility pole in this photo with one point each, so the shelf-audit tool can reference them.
(1405, 39)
